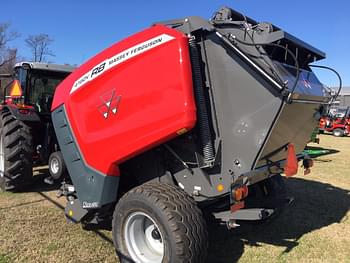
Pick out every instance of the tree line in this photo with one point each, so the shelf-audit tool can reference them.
(39, 46)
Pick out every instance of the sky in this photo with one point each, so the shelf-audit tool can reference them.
(82, 28)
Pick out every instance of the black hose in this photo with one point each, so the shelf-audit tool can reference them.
(280, 46)
(336, 73)
(275, 74)
(202, 114)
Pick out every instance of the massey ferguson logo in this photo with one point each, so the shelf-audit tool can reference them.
(307, 84)
(110, 103)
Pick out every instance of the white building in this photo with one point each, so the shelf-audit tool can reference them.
(343, 99)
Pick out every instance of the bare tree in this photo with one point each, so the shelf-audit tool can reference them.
(9, 60)
(39, 45)
(7, 54)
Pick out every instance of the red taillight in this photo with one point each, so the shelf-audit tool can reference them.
(24, 111)
(237, 206)
(239, 193)
(8, 101)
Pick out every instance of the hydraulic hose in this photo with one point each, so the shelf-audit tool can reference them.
(336, 73)
(279, 46)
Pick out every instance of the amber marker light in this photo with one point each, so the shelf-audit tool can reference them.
(220, 188)
(240, 193)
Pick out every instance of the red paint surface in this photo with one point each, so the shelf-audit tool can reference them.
(156, 100)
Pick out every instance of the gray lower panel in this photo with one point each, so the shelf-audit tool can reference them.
(93, 188)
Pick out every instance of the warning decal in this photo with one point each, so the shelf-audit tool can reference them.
(119, 58)
(16, 90)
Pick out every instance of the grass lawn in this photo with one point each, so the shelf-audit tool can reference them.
(315, 228)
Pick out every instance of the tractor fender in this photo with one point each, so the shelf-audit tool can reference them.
(25, 114)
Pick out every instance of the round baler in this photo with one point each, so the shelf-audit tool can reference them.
(186, 121)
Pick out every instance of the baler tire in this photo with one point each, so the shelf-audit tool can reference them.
(338, 132)
(172, 213)
(17, 151)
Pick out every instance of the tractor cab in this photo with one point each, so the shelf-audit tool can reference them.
(34, 84)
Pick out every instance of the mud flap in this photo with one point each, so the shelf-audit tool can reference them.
(74, 211)
(93, 188)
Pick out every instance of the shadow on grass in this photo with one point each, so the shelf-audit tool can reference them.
(21, 204)
(315, 152)
(58, 205)
(37, 183)
(316, 205)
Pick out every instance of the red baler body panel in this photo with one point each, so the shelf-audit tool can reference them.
(141, 97)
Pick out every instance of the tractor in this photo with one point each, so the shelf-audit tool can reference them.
(27, 136)
(337, 123)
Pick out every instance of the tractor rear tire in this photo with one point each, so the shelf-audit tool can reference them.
(16, 153)
(338, 132)
(157, 222)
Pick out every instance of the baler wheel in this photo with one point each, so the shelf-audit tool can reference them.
(338, 132)
(16, 152)
(158, 222)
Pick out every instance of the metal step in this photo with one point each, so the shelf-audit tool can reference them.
(249, 214)
(254, 213)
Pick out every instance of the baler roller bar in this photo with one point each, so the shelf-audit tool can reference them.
(202, 114)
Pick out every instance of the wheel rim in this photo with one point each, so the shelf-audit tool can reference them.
(2, 157)
(337, 133)
(143, 238)
(54, 166)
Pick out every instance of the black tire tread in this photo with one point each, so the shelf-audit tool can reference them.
(341, 132)
(18, 151)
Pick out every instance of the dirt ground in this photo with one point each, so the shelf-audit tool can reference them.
(315, 228)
